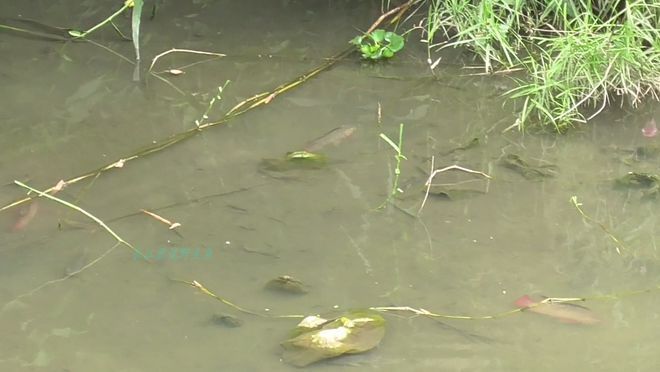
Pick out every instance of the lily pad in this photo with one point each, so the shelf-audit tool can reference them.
(288, 284)
(525, 169)
(354, 332)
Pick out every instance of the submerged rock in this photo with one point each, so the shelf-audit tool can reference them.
(226, 320)
(530, 172)
(288, 284)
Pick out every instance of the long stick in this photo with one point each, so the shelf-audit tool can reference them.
(77, 208)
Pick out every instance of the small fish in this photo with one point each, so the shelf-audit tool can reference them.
(26, 215)
(333, 137)
(650, 129)
(564, 312)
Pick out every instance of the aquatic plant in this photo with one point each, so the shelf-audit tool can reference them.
(398, 148)
(378, 44)
(578, 55)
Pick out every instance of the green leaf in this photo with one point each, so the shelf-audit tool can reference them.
(356, 40)
(390, 142)
(366, 51)
(75, 33)
(354, 332)
(135, 24)
(396, 42)
(378, 35)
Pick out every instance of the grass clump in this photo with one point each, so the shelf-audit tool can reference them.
(578, 55)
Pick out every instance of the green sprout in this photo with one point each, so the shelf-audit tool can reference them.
(398, 147)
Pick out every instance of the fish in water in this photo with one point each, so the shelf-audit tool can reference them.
(333, 137)
(650, 129)
(564, 312)
(25, 216)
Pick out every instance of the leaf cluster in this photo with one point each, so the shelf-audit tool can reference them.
(378, 44)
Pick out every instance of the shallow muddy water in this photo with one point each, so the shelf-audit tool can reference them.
(71, 108)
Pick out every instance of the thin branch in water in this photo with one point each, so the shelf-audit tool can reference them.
(77, 208)
(423, 312)
(428, 188)
(176, 50)
(618, 242)
(65, 277)
(205, 291)
(435, 172)
(170, 224)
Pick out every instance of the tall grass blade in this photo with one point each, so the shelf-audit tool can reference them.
(135, 26)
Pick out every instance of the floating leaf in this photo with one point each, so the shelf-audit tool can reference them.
(396, 42)
(294, 160)
(378, 35)
(354, 332)
(378, 44)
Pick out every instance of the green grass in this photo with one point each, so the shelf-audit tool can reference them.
(578, 55)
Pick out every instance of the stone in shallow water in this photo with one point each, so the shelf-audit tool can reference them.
(288, 284)
(226, 320)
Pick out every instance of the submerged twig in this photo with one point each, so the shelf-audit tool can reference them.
(171, 225)
(65, 277)
(428, 188)
(618, 242)
(176, 50)
(427, 313)
(455, 166)
(203, 289)
(77, 208)
(435, 172)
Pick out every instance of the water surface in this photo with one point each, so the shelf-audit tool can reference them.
(71, 108)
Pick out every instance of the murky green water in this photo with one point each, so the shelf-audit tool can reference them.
(70, 108)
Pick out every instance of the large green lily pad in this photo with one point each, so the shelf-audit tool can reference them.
(316, 338)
